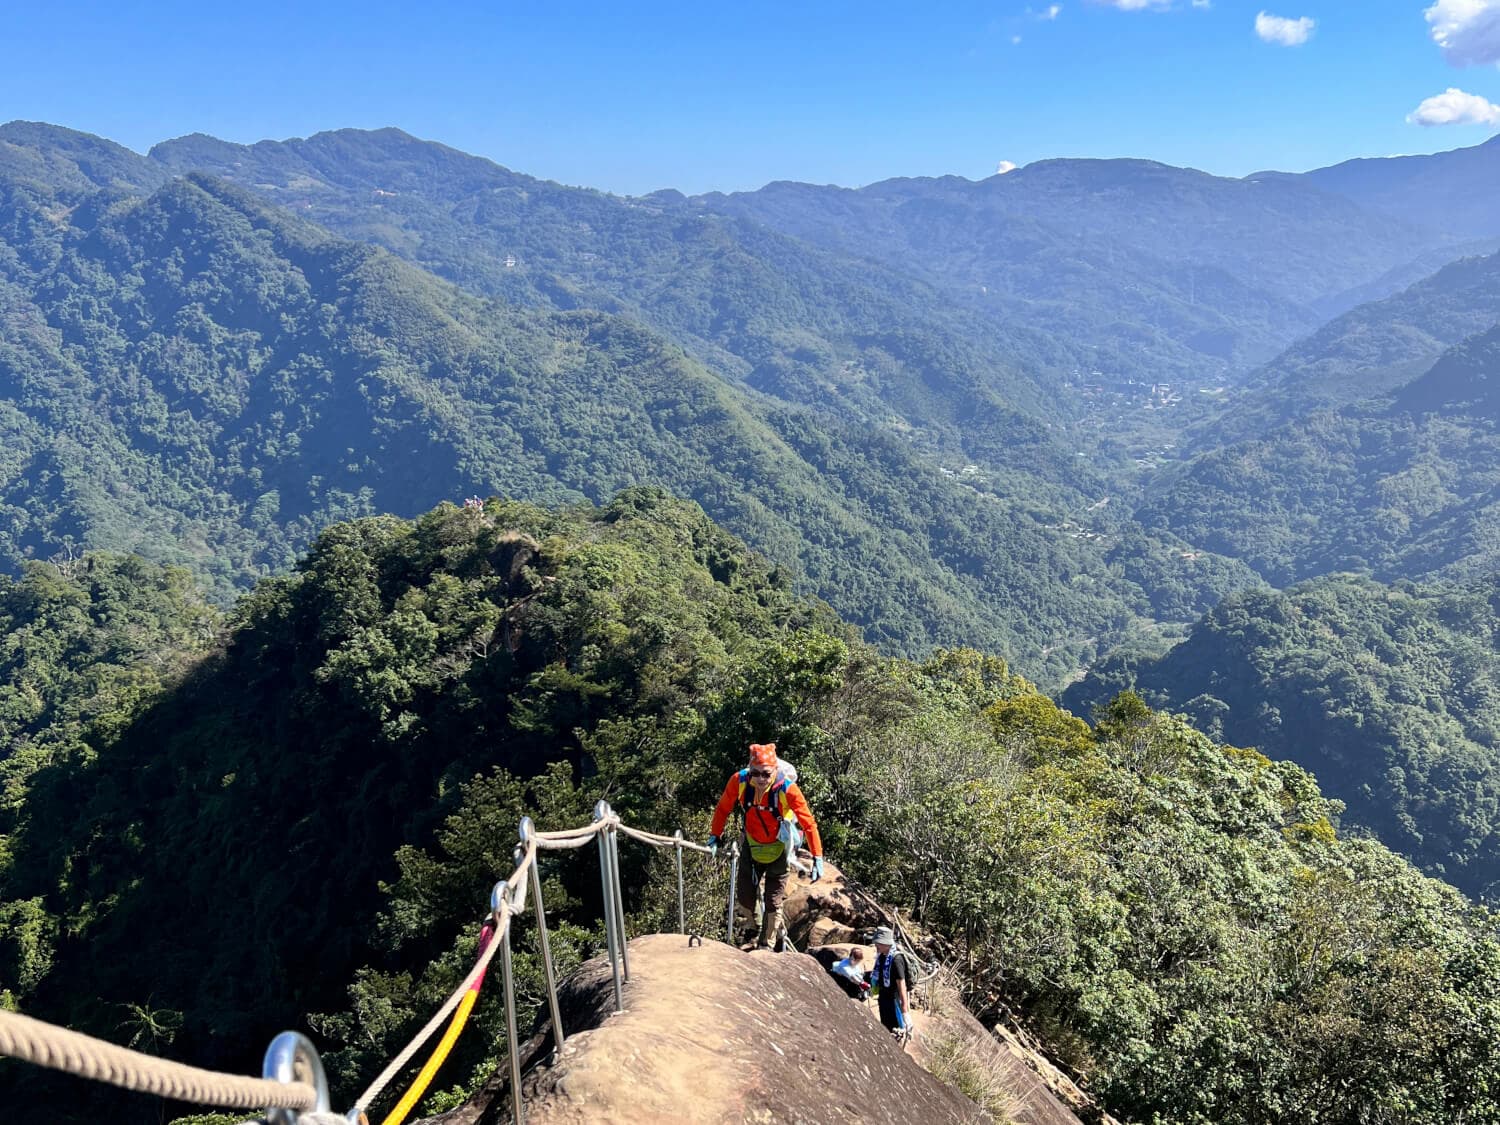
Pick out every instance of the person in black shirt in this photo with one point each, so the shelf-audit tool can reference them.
(889, 976)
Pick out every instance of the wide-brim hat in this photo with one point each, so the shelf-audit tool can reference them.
(883, 936)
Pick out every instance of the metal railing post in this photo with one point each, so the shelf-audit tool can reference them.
(614, 865)
(734, 875)
(601, 811)
(681, 902)
(527, 832)
(517, 1111)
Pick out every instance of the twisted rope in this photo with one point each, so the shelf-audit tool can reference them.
(75, 1053)
(86, 1057)
(657, 841)
(502, 926)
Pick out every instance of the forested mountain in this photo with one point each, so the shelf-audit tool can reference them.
(1179, 919)
(870, 345)
(1156, 268)
(1367, 352)
(1450, 191)
(1163, 268)
(203, 378)
(1402, 488)
(1389, 695)
(927, 301)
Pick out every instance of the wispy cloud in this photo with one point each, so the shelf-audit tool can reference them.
(1051, 12)
(1468, 31)
(1006, 167)
(1284, 32)
(1153, 5)
(1454, 107)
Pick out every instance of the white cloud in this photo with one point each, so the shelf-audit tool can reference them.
(1284, 32)
(1051, 12)
(1006, 167)
(1468, 31)
(1151, 5)
(1454, 107)
(1015, 40)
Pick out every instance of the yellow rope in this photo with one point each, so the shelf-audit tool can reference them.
(424, 1079)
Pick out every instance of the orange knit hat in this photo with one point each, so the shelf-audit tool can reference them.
(763, 755)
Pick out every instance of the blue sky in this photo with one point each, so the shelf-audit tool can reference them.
(635, 96)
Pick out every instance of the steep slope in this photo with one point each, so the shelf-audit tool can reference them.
(1367, 352)
(208, 380)
(866, 343)
(1451, 191)
(1390, 694)
(1402, 488)
(695, 1044)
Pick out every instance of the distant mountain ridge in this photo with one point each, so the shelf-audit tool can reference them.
(1451, 191)
(1405, 487)
(208, 379)
(1157, 267)
(1367, 352)
(1219, 268)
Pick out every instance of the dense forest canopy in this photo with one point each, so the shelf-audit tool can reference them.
(1390, 695)
(1400, 487)
(386, 713)
(200, 377)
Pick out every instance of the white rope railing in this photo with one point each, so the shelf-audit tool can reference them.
(57, 1048)
(293, 1088)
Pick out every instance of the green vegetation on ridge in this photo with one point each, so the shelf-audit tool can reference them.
(1179, 918)
(1390, 695)
(1401, 488)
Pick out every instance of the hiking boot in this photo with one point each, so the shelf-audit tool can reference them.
(770, 930)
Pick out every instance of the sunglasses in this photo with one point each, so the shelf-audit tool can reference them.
(761, 774)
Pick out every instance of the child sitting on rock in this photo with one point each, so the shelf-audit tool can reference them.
(851, 975)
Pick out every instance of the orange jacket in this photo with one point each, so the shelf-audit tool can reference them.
(763, 819)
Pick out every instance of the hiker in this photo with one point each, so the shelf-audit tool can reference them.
(774, 809)
(851, 976)
(888, 983)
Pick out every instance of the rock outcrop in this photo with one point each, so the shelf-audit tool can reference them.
(713, 1035)
(829, 917)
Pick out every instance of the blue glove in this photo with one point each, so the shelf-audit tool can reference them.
(817, 868)
(713, 846)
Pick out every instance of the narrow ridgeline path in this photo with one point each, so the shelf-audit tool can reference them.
(661, 1028)
(713, 1035)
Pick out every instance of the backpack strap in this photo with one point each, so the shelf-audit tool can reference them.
(747, 794)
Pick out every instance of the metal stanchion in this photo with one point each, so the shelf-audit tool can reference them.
(614, 866)
(601, 810)
(517, 1111)
(681, 903)
(528, 830)
(734, 874)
